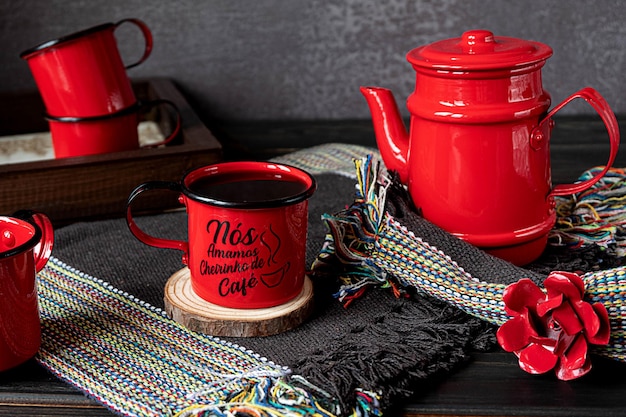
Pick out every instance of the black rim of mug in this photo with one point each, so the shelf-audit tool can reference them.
(285, 201)
(26, 216)
(55, 42)
(71, 119)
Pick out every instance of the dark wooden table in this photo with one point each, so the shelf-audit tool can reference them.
(491, 384)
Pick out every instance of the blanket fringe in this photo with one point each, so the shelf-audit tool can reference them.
(283, 397)
(596, 216)
(400, 348)
(353, 231)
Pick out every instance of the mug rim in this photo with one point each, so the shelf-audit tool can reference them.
(133, 108)
(29, 244)
(63, 39)
(221, 168)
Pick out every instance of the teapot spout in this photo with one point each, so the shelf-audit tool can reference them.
(392, 137)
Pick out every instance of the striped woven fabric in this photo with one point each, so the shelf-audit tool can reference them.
(131, 358)
(418, 264)
(328, 158)
(379, 248)
(609, 288)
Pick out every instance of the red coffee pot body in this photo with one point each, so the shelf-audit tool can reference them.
(476, 159)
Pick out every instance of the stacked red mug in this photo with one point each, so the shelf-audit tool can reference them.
(90, 103)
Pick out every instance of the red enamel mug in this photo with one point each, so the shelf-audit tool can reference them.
(26, 242)
(82, 74)
(116, 132)
(476, 159)
(247, 229)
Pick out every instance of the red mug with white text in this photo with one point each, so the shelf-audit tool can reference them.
(82, 74)
(247, 227)
(26, 241)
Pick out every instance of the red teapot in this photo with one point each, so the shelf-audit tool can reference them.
(476, 160)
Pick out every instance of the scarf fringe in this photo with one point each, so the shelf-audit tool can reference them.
(596, 216)
(352, 233)
(283, 397)
(400, 348)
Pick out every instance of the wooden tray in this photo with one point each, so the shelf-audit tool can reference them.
(98, 186)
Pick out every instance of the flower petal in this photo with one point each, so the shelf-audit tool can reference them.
(563, 342)
(535, 359)
(521, 295)
(576, 355)
(574, 362)
(550, 303)
(603, 334)
(514, 334)
(587, 314)
(567, 283)
(566, 374)
(566, 317)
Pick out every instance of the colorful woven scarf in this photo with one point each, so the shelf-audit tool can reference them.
(380, 240)
(131, 358)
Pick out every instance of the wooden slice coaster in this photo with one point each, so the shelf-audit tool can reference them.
(183, 305)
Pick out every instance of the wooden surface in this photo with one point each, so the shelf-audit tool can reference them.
(490, 385)
(187, 308)
(70, 189)
(493, 385)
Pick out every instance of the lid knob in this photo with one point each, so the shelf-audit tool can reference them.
(478, 40)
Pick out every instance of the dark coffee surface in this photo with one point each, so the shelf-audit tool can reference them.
(235, 190)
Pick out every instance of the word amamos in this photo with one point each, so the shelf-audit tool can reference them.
(239, 256)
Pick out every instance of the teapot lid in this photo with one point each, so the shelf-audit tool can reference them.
(479, 50)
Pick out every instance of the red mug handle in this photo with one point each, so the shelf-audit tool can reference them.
(145, 237)
(147, 34)
(43, 249)
(600, 105)
(177, 125)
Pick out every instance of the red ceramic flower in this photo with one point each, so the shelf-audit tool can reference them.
(551, 329)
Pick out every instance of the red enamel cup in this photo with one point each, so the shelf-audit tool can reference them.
(247, 227)
(116, 132)
(82, 74)
(26, 241)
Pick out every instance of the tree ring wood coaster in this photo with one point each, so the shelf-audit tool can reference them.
(184, 306)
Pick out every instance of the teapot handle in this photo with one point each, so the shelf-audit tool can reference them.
(600, 105)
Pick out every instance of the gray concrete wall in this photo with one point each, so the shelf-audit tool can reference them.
(297, 59)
